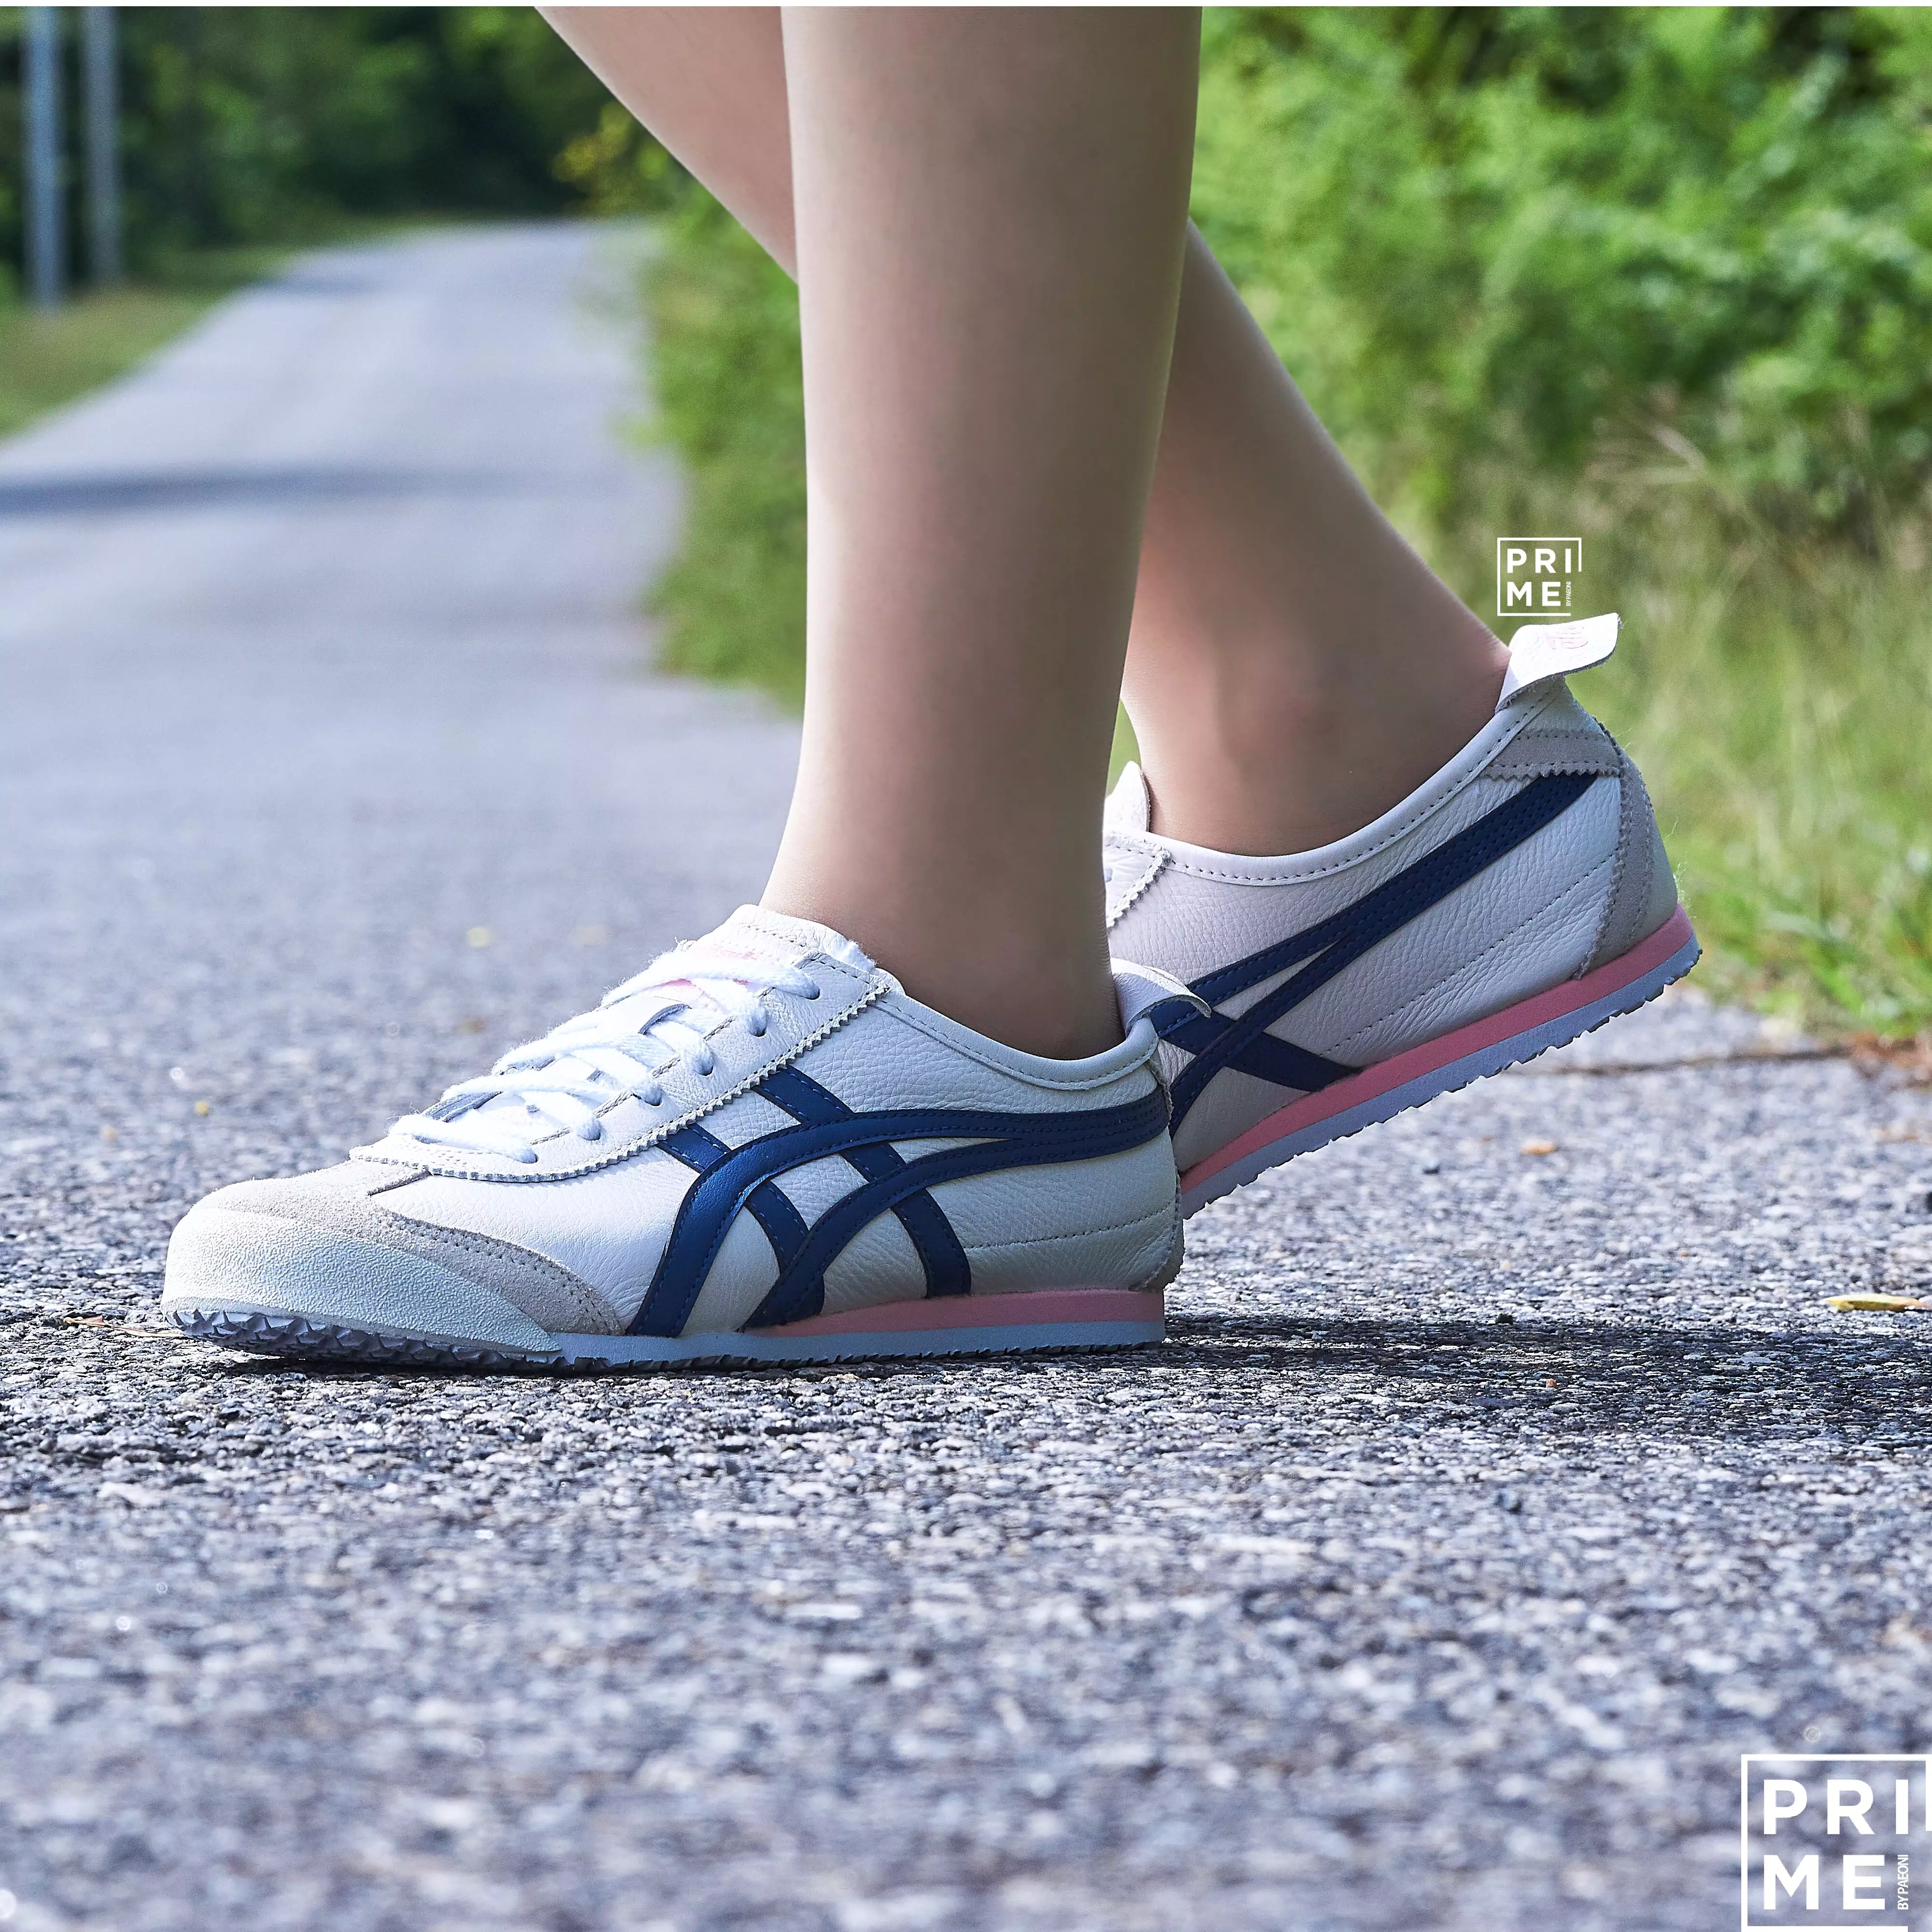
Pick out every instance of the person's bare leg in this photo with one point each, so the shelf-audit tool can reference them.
(990, 208)
(1295, 669)
(709, 84)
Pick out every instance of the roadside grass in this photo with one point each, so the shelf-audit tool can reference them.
(723, 320)
(1779, 702)
(1778, 697)
(51, 357)
(48, 358)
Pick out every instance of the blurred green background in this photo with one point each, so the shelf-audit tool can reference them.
(246, 131)
(1659, 278)
(258, 124)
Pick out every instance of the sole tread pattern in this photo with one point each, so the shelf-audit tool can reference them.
(295, 1337)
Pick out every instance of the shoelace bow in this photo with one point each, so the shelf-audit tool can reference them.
(622, 1049)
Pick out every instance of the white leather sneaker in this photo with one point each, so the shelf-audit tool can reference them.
(1519, 898)
(758, 1149)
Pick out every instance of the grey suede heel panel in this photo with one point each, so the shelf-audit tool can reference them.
(1536, 754)
(549, 1294)
(1643, 891)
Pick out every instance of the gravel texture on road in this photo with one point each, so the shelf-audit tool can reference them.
(1483, 1506)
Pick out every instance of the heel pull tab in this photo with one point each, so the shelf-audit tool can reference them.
(1540, 652)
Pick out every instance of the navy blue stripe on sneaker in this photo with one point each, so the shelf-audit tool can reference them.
(1280, 1060)
(770, 1206)
(800, 1291)
(1332, 945)
(941, 1258)
(724, 1188)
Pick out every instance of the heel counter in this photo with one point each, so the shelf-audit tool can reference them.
(1162, 1275)
(1643, 893)
(1556, 734)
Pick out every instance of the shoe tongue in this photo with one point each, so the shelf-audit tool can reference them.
(781, 940)
(751, 935)
(1130, 805)
(757, 937)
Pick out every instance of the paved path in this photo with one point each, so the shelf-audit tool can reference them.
(1484, 1507)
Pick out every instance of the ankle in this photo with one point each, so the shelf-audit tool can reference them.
(1049, 992)
(1269, 772)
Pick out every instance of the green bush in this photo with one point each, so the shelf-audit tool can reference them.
(1778, 700)
(1499, 242)
(252, 124)
(723, 318)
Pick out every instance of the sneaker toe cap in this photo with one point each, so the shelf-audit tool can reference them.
(273, 1248)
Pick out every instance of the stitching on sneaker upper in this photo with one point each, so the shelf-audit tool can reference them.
(1630, 831)
(1148, 878)
(1392, 837)
(401, 1180)
(1621, 855)
(510, 1252)
(909, 1014)
(880, 986)
(1559, 768)
(1164, 1211)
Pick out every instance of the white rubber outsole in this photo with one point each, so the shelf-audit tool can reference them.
(1093, 1318)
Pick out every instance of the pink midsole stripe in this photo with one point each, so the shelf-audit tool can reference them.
(983, 1311)
(1524, 1017)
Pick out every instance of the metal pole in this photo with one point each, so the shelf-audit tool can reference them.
(47, 224)
(103, 148)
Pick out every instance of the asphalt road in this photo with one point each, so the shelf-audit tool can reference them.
(1483, 1507)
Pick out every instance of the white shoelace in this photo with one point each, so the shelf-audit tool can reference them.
(641, 1029)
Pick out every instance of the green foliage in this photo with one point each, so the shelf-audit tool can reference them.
(618, 169)
(273, 124)
(1500, 243)
(48, 359)
(1664, 279)
(1778, 701)
(724, 320)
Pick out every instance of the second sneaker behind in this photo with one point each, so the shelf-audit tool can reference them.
(1519, 898)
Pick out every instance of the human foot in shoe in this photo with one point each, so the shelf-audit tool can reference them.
(1519, 898)
(758, 1149)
